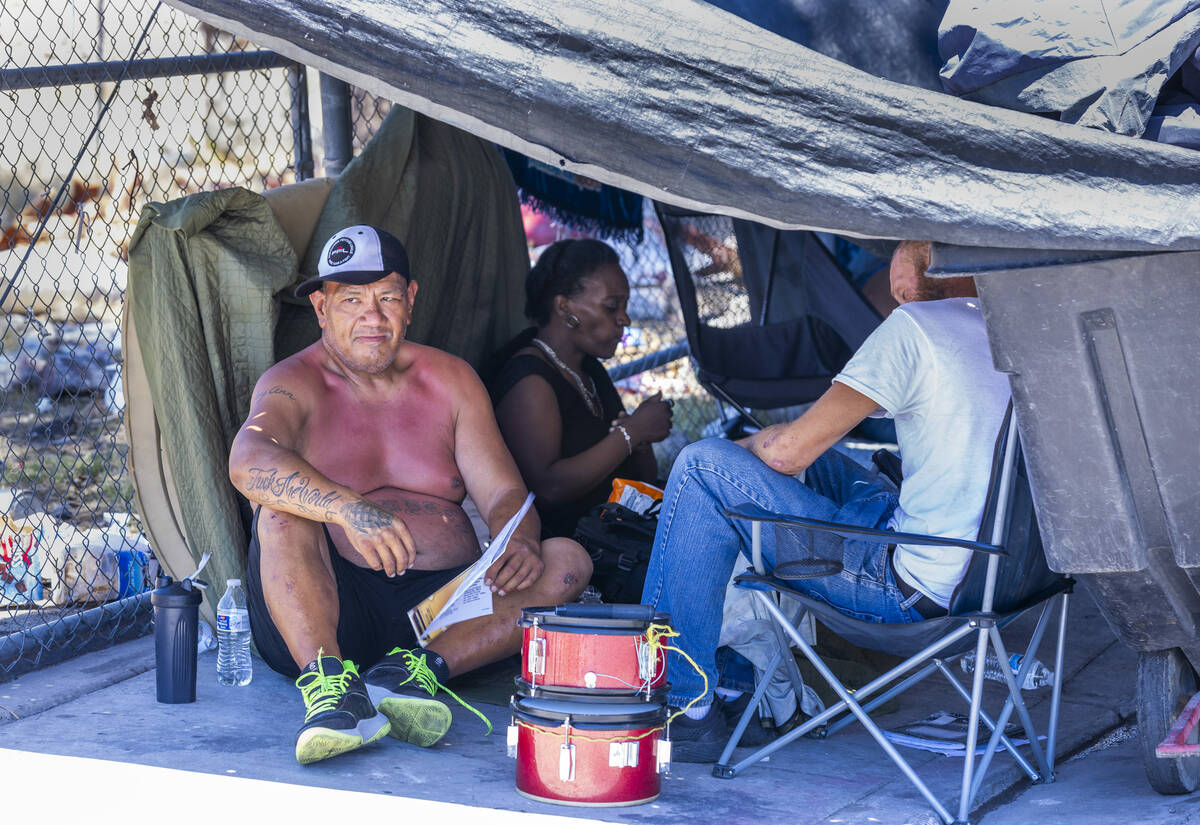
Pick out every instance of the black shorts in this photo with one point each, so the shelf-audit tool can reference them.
(372, 608)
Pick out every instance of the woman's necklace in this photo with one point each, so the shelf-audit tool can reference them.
(590, 397)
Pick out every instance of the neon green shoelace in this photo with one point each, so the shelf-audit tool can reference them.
(420, 673)
(322, 691)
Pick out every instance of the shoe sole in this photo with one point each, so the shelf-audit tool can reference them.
(316, 744)
(421, 722)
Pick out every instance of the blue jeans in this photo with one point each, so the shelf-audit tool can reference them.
(697, 545)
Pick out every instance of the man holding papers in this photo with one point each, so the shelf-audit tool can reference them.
(357, 454)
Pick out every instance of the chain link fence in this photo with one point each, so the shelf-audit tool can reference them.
(73, 565)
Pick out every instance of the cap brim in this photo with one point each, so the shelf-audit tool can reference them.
(357, 278)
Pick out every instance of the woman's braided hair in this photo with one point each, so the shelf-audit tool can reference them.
(561, 270)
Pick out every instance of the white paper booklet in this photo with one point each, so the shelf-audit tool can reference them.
(469, 597)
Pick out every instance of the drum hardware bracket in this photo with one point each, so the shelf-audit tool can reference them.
(646, 661)
(623, 754)
(537, 658)
(566, 755)
(512, 740)
(662, 750)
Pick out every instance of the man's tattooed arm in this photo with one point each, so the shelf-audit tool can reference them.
(268, 487)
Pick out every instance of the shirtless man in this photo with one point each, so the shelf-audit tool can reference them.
(357, 453)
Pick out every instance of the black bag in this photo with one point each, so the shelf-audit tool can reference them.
(619, 542)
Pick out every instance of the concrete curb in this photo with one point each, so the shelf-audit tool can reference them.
(41, 690)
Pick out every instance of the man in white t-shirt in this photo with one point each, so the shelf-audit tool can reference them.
(929, 367)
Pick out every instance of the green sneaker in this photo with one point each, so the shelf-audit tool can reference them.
(403, 685)
(339, 715)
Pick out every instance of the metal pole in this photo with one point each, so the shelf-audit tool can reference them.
(964, 800)
(302, 155)
(335, 116)
(112, 71)
(1056, 691)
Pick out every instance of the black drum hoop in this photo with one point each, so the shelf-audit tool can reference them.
(640, 717)
(595, 695)
(602, 619)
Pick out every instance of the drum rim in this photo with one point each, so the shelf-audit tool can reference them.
(568, 693)
(550, 620)
(641, 716)
(578, 804)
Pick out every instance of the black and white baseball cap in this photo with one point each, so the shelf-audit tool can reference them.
(358, 255)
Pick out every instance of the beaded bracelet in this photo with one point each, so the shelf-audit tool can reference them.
(624, 432)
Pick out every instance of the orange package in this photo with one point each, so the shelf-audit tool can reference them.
(636, 495)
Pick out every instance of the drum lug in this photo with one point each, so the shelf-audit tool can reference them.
(646, 661)
(566, 762)
(537, 657)
(623, 754)
(512, 741)
(662, 751)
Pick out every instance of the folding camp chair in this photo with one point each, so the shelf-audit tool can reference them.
(1006, 577)
(770, 316)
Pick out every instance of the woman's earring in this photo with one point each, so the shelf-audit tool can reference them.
(572, 321)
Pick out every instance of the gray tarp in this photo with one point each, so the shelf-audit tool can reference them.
(689, 104)
(1092, 62)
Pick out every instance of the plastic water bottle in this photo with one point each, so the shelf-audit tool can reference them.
(1037, 676)
(233, 636)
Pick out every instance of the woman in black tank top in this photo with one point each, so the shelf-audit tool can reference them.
(557, 409)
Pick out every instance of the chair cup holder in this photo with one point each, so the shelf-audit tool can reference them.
(807, 569)
(806, 554)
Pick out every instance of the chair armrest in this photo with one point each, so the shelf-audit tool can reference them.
(750, 512)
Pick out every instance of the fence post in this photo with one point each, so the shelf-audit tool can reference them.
(335, 115)
(302, 155)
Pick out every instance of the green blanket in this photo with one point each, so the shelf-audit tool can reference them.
(450, 197)
(207, 272)
(203, 272)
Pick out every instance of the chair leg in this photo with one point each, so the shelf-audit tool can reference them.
(987, 720)
(857, 710)
(964, 798)
(748, 714)
(1018, 701)
(1056, 690)
(985, 762)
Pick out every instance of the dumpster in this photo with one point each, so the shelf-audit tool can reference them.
(1103, 351)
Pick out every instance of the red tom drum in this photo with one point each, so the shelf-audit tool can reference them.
(593, 652)
(596, 755)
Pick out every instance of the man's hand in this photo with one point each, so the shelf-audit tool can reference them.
(382, 538)
(518, 567)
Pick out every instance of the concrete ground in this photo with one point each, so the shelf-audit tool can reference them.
(94, 720)
(1101, 786)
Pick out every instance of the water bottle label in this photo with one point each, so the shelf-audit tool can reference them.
(233, 621)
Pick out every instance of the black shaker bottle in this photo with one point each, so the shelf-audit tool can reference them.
(176, 621)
